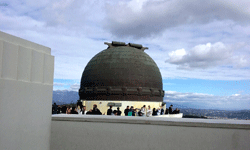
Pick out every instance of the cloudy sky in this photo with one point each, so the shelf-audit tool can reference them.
(201, 47)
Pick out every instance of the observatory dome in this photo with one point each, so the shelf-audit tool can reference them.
(122, 72)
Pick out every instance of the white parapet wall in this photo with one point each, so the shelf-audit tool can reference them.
(26, 86)
(147, 133)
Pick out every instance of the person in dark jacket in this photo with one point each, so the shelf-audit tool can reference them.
(118, 111)
(114, 113)
(166, 112)
(58, 109)
(154, 112)
(73, 111)
(89, 112)
(54, 109)
(162, 111)
(170, 110)
(126, 111)
(176, 111)
(132, 110)
(110, 111)
(95, 110)
(64, 108)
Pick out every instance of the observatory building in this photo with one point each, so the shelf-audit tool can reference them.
(121, 75)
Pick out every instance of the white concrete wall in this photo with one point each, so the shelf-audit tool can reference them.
(143, 133)
(26, 86)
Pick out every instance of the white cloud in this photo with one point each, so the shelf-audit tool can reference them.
(205, 56)
(177, 55)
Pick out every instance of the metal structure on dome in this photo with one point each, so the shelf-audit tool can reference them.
(122, 72)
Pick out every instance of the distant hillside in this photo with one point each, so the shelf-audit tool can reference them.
(65, 97)
(216, 114)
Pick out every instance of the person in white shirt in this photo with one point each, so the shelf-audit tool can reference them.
(149, 111)
(158, 111)
(143, 110)
(83, 112)
(78, 109)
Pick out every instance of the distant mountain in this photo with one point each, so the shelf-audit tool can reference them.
(65, 97)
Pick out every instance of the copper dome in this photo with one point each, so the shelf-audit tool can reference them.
(122, 72)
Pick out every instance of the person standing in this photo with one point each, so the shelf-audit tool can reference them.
(54, 109)
(143, 110)
(170, 110)
(110, 111)
(126, 111)
(162, 111)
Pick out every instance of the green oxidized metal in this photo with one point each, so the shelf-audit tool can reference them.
(122, 72)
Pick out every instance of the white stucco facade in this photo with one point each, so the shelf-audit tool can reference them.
(26, 86)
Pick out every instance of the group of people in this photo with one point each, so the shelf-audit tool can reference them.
(143, 111)
(80, 109)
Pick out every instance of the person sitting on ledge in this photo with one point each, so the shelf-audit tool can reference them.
(176, 111)
(166, 112)
(73, 110)
(114, 113)
(132, 110)
(68, 111)
(84, 112)
(139, 112)
(149, 112)
(154, 112)
(118, 111)
(89, 112)
(158, 111)
(64, 108)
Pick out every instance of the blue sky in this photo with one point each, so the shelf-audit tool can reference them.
(201, 47)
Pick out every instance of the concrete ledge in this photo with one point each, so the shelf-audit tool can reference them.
(183, 122)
